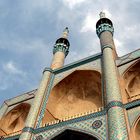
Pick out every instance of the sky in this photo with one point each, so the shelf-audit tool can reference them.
(29, 29)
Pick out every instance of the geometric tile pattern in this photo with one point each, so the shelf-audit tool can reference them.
(132, 104)
(11, 138)
(94, 65)
(117, 124)
(114, 103)
(96, 124)
(80, 63)
(104, 27)
(64, 123)
(116, 120)
(61, 47)
(59, 77)
(133, 114)
(43, 108)
(84, 126)
(28, 129)
(111, 81)
(128, 58)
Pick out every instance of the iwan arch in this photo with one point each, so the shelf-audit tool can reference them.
(96, 98)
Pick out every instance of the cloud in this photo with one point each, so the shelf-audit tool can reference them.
(10, 74)
(107, 13)
(11, 68)
(119, 47)
(89, 23)
(73, 3)
(29, 29)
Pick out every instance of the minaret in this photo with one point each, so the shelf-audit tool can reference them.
(115, 112)
(60, 51)
(105, 31)
(37, 110)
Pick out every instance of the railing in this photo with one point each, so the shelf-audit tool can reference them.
(72, 117)
(135, 97)
(10, 134)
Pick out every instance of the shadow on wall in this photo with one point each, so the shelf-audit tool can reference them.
(132, 82)
(14, 120)
(135, 130)
(77, 93)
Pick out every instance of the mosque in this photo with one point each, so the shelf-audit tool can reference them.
(96, 98)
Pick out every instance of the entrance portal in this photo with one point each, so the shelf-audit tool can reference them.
(74, 135)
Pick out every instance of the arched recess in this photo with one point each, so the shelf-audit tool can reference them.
(135, 130)
(78, 93)
(69, 134)
(132, 82)
(14, 120)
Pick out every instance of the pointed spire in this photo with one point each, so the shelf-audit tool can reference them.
(65, 33)
(102, 15)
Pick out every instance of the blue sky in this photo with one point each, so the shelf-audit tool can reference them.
(29, 29)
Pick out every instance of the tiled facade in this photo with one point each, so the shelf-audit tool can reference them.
(83, 126)
(114, 122)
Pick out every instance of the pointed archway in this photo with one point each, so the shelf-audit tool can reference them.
(14, 120)
(135, 130)
(73, 135)
(77, 93)
(132, 82)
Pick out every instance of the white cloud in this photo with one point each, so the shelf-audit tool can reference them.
(107, 13)
(89, 24)
(11, 68)
(132, 31)
(72, 3)
(117, 42)
(121, 49)
(8, 74)
(3, 82)
(30, 20)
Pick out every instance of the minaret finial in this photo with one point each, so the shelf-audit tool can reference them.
(102, 15)
(65, 33)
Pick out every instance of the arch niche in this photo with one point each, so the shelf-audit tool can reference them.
(132, 81)
(74, 135)
(78, 93)
(136, 129)
(14, 120)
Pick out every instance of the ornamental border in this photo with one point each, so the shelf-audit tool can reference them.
(74, 64)
(12, 137)
(41, 114)
(106, 46)
(114, 104)
(97, 114)
(75, 129)
(94, 115)
(78, 63)
(62, 48)
(28, 129)
(104, 27)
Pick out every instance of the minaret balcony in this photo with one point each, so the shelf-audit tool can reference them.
(104, 27)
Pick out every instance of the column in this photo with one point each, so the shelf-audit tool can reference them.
(117, 129)
(37, 110)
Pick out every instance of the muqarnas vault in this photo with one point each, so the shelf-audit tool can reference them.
(96, 98)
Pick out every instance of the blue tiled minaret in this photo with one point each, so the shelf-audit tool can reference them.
(117, 129)
(37, 110)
